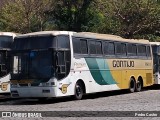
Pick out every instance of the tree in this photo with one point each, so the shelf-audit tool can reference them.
(75, 15)
(126, 18)
(132, 18)
(25, 15)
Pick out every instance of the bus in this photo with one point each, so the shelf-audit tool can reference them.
(61, 63)
(156, 61)
(6, 41)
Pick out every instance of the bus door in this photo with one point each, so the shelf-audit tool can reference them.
(62, 56)
(62, 63)
(156, 68)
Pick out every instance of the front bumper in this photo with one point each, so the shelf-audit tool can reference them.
(33, 92)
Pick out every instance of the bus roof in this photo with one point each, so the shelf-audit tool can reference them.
(8, 34)
(109, 37)
(155, 43)
(85, 35)
(42, 33)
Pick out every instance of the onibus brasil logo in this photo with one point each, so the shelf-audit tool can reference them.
(21, 114)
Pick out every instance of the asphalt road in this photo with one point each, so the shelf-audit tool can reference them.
(113, 101)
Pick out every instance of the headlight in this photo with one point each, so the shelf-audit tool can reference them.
(53, 83)
(45, 84)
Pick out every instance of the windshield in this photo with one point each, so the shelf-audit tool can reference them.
(6, 41)
(38, 42)
(32, 65)
(37, 57)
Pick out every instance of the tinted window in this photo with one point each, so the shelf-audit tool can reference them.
(123, 45)
(76, 45)
(63, 42)
(142, 50)
(132, 49)
(40, 42)
(80, 46)
(121, 48)
(92, 47)
(148, 51)
(84, 47)
(105, 48)
(129, 48)
(158, 49)
(95, 47)
(154, 48)
(111, 49)
(118, 48)
(6, 41)
(98, 47)
(4, 63)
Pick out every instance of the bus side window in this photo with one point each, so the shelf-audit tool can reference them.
(121, 49)
(142, 51)
(105, 48)
(132, 49)
(95, 47)
(80, 46)
(83, 46)
(76, 47)
(118, 48)
(92, 47)
(111, 48)
(158, 49)
(148, 52)
(99, 47)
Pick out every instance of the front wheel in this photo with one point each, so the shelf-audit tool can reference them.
(78, 91)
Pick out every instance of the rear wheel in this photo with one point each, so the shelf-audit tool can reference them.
(139, 86)
(132, 85)
(78, 91)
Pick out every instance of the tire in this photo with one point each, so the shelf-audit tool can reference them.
(78, 91)
(132, 85)
(138, 86)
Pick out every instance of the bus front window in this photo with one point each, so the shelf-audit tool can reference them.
(33, 65)
(40, 64)
(41, 57)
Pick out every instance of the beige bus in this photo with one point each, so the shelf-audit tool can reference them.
(6, 40)
(62, 63)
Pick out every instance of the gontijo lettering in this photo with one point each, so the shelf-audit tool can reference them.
(122, 63)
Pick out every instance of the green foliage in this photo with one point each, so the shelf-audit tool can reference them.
(132, 18)
(126, 18)
(94, 20)
(24, 16)
(77, 15)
